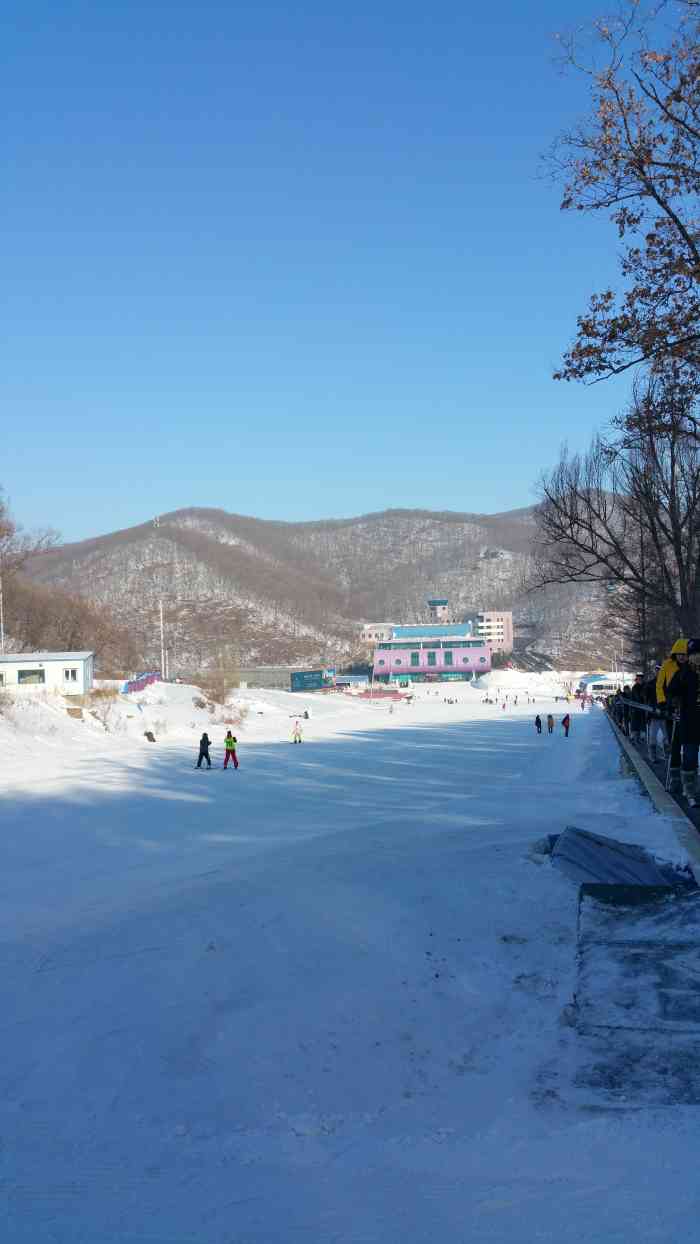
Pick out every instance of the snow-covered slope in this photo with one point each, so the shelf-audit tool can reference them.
(318, 998)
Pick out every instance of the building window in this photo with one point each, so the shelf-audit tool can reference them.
(415, 658)
(70, 675)
(432, 658)
(31, 676)
(2, 680)
(482, 660)
(397, 661)
(465, 660)
(448, 658)
(381, 662)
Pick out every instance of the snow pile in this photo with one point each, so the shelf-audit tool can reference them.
(549, 684)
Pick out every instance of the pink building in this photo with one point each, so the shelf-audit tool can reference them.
(431, 660)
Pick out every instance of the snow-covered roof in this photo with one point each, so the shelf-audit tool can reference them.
(45, 656)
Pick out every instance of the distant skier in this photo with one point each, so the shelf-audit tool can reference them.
(296, 733)
(566, 723)
(204, 745)
(230, 744)
(550, 724)
(538, 724)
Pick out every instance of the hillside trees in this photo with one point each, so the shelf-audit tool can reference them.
(37, 618)
(16, 547)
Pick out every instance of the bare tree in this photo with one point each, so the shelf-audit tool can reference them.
(626, 515)
(16, 545)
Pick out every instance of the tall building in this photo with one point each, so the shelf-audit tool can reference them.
(495, 627)
(438, 609)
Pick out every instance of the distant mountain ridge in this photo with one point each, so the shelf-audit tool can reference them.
(285, 591)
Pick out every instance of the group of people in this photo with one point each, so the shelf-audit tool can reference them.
(230, 744)
(672, 727)
(565, 722)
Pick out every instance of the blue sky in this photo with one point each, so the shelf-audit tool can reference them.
(295, 261)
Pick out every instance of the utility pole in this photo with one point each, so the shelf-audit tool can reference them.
(2, 619)
(162, 642)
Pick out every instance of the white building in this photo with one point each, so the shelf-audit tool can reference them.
(373, 633)
(495, 627)
(70, 673)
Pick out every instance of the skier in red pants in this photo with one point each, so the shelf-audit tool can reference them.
(230, 745)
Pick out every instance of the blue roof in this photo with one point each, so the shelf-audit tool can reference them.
(437, 600)
(436, 631)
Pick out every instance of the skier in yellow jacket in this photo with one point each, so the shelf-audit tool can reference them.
(670, 667)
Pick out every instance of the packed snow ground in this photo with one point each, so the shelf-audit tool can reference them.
(319, 998)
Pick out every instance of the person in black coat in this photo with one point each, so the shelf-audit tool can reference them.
(654, 726)
(204, 745)
(637, 693)
(538, 724)
(625, 708)
(683, 692)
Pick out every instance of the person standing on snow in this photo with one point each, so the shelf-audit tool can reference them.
(668, 671)
(566, 723)
(550, 724)
(230, 744)
(656, 735)
(204, 745)
(296, 733)
(637, 722)
(683, 689)
(538, 724)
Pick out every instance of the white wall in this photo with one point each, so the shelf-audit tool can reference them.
(54, 675)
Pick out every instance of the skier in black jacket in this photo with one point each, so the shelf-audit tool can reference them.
(204, 745)
(683, 691)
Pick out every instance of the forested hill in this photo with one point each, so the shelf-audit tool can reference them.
(284, 592)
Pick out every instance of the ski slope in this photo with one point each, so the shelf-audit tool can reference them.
(316, 999)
